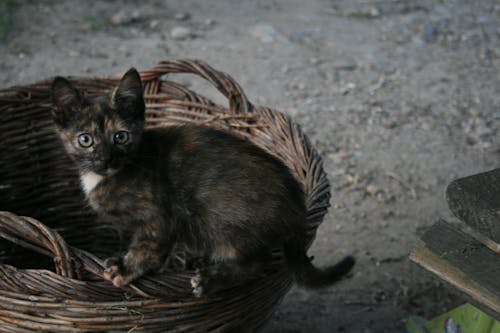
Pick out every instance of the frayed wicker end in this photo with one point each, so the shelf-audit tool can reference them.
(39, 181)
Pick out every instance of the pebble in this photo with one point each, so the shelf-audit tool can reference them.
(313, 61)
(353, 180)
(389, 124)
(348, 87)
(73, 53)
(374, 12)
(209, 22)
(474, 112)
(344, 65)
(264, 32)
(339, 205)
(368, 12)
(182, 16)
(136, 15)
(181, 33)
(122, 18)
(153, 24)
(357, 154)
(371, 189)
(426, 126)
(116, 19)
(430, 33)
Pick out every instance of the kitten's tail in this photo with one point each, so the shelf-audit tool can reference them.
(309, 276)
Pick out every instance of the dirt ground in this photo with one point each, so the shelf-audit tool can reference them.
(400, 97)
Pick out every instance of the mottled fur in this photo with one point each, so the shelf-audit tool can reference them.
(188, 187)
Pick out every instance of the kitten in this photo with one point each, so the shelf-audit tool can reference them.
(188, 187)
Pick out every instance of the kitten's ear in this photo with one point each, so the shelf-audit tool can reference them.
(67, 100)
(127, 98)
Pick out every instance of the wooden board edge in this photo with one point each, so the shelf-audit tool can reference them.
(424, 257)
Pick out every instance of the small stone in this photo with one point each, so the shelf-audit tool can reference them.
(332, 108)
(353, 179)
(116, 19)
(209, 22)
(344, 65)
(136, 15)
(181, 33)
(357, 154)
(264, 32)
(475, 112)
(339, 205)
(374, 12)
(309, 101)
(182, 16)
(430, 33)
(120, 18)
(390, 124)
(425, 126)
(73, 53)
(380, 196)
(345, 155)
(314, 61)
(153, 24)
(371, 189)
(471, 141)
(348, 87)
(123, 18)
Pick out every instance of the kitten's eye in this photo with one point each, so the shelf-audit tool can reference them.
(121, 137)
(85, 140)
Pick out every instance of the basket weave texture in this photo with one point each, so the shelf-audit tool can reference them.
(52, 246)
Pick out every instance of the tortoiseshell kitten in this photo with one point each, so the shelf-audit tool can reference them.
(189, 187)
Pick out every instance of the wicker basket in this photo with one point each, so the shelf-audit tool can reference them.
(39, 181)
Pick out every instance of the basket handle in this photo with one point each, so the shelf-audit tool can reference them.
(238, 103)
(34, 235)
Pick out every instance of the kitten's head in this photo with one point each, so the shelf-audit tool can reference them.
(100, 134)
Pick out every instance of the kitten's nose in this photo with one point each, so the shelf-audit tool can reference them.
(105, 162)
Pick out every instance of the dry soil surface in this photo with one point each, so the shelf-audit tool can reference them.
(400, 97)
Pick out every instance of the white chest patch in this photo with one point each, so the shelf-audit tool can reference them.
(89, 181)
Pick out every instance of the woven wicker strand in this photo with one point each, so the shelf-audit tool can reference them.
(43, 215)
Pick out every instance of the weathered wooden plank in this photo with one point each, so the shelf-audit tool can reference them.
(462, 261)
(476, 201)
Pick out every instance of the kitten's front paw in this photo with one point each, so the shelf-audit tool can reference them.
(114, 272)
(196, 284)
